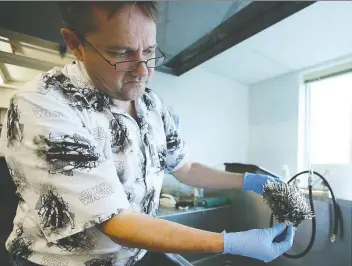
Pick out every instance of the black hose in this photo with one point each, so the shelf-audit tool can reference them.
(336, 208)
(336, 216)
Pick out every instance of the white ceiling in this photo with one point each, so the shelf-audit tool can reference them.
(317, 34)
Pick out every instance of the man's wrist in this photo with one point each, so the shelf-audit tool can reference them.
(236, 180)
(242, 180)
(218, 243)
(245, 184)
(224, 251)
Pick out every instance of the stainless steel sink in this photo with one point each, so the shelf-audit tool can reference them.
(215, 219)
(168, 259)
(223, 260)
(211, 219)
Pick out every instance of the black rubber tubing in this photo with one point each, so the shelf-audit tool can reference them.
(336, 214)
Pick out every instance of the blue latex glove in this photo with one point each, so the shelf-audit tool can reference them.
(258, 243)
(255, 182)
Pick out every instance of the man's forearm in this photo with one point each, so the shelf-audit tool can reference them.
(142, 231)
(201, 176)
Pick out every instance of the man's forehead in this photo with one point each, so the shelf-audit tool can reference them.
(125, 18)
(126, 29)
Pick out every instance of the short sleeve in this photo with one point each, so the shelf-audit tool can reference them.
(63, 177)
(176, 148)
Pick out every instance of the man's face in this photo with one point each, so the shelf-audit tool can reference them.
(126, 35)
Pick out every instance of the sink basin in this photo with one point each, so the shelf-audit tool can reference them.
(168, 259)
(223, 260)
(215, 219)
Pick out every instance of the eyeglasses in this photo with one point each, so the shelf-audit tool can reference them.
(130, 65)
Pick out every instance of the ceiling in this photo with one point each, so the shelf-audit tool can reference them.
(22, 57)
(317, 34)
(180, 24)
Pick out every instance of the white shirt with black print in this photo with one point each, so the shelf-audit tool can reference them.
(77, 159)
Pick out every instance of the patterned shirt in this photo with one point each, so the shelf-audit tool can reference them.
(77, 159)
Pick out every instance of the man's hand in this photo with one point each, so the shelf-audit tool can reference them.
(255, 182)
(258, 243)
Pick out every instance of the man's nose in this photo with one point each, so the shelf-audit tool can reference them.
(141, 70)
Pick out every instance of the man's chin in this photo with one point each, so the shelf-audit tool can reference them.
(133, 94)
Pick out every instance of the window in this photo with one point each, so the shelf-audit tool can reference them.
(330, 120)
(327, 145)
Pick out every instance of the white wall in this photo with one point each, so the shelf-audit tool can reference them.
(213, 115)
(5, 97)
(2, 115)
(273, 123)
(276, 133)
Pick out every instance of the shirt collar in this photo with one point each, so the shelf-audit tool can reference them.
(83, 71)
(75, 83)
(78, 75)
(89, 97)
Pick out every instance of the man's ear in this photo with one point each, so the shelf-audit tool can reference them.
(72, 42)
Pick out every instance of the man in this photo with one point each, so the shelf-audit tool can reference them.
(88, 145)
